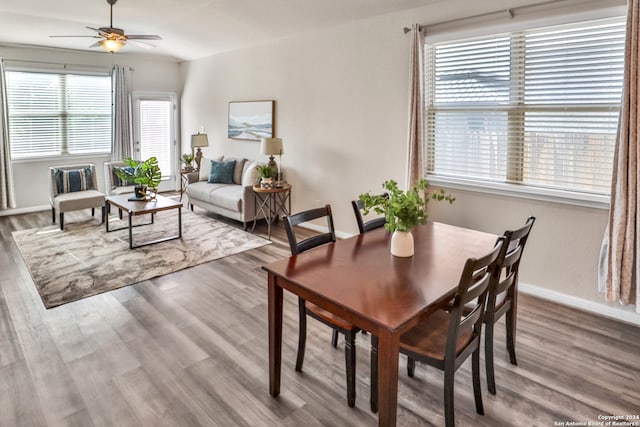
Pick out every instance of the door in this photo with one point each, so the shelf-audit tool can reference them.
(155, 133)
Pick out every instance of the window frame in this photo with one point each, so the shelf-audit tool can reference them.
(64, 115)
(510, 185)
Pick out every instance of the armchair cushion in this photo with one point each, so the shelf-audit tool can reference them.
(72, 180)
(117, 181)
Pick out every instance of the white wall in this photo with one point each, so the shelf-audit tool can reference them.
(144, 73)
(341, 109)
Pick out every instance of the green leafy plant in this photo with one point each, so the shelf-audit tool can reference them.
(145, 172)
(266, 171)
(187, 159)
(403, 210)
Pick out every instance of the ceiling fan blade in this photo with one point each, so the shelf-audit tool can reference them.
(96, 44)
(144, 37)
(142, 44)
(93, 37)
(99, 31)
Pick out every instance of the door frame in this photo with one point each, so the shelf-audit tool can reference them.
(172, 183)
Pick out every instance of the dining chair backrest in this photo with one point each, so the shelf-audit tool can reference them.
(364, 226)
(503, 291)
(290, 221)
(467, 311)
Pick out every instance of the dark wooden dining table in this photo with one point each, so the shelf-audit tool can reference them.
(359, 280)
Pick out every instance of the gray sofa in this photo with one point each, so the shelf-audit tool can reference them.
(235, 200)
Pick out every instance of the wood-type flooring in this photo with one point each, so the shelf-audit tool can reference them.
(190, 349)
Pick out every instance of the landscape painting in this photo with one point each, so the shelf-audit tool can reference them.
(250, 120)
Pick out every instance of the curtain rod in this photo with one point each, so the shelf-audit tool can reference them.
(511, 12)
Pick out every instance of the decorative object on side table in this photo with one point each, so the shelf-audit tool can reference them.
(266, 173)
(403, 210)
(197, 141)
(145, 173)
(187, 159)
(273, 147)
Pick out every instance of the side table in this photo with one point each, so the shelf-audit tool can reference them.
(187, 176)
(271, 202)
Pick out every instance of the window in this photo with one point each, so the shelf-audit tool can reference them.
(537, 108)
(54, 114)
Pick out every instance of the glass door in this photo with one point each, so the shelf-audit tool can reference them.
(155, 133)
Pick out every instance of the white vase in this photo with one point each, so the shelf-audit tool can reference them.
(402, 244)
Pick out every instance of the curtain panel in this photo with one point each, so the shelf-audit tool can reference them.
(622, 240)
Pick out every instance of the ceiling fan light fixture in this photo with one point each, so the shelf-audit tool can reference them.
(111, 45)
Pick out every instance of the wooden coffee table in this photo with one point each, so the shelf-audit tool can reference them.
(135, 208)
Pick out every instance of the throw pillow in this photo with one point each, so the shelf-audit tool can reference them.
(222, 172)
(117, 182)
(205, 168)
(251, 175)
(237, 172)
(72, 180)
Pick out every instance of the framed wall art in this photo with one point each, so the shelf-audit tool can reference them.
(252, 120)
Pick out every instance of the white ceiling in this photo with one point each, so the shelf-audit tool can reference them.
(190, 28)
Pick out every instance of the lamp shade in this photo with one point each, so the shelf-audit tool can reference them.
(199, 140)
(271, 146)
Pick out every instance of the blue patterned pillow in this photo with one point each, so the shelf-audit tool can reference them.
(222, 172)
(71, 180)
(117, 182)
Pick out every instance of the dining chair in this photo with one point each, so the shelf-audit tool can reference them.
(502, 299)
(446, 338)
(363, 225)
(306, 308)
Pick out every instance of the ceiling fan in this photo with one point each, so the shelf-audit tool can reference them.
(113, 39)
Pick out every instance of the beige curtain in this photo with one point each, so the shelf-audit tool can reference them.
(623, 253)
(6, 185)
(415, 168)
(121, 143)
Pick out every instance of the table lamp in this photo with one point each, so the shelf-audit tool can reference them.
(199, 140)
(272, 147)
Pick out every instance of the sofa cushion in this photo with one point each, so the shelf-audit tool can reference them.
(250, 175)
(205, 167)
(72, 180)
(222, 172)
(228, 197)
(237, 171)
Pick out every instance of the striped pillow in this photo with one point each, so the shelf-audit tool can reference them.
(71, 180)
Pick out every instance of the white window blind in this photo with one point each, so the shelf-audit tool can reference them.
(537, 108)
(155, 133)
(53, 114)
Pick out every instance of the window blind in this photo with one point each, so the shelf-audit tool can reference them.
(536, 108)
(155, 133)
(52, 114)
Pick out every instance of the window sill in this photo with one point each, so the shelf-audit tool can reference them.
(60, 157)
(524, 192)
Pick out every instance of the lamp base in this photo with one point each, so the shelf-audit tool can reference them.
(272, 163)
(198, 158)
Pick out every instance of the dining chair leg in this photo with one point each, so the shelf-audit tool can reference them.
(477, 388)
(350, 363)
(488, 357)
(373, 399)
(334, 338)
(302, 333)
(449, 415)
(411, 366)
(511, 334)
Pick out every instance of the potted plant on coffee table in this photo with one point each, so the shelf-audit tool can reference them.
(403, 210)
(144, 173)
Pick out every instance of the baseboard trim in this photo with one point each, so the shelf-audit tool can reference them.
(600, 309)
(20, 211)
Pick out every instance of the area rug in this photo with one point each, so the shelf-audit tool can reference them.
(85, 260)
